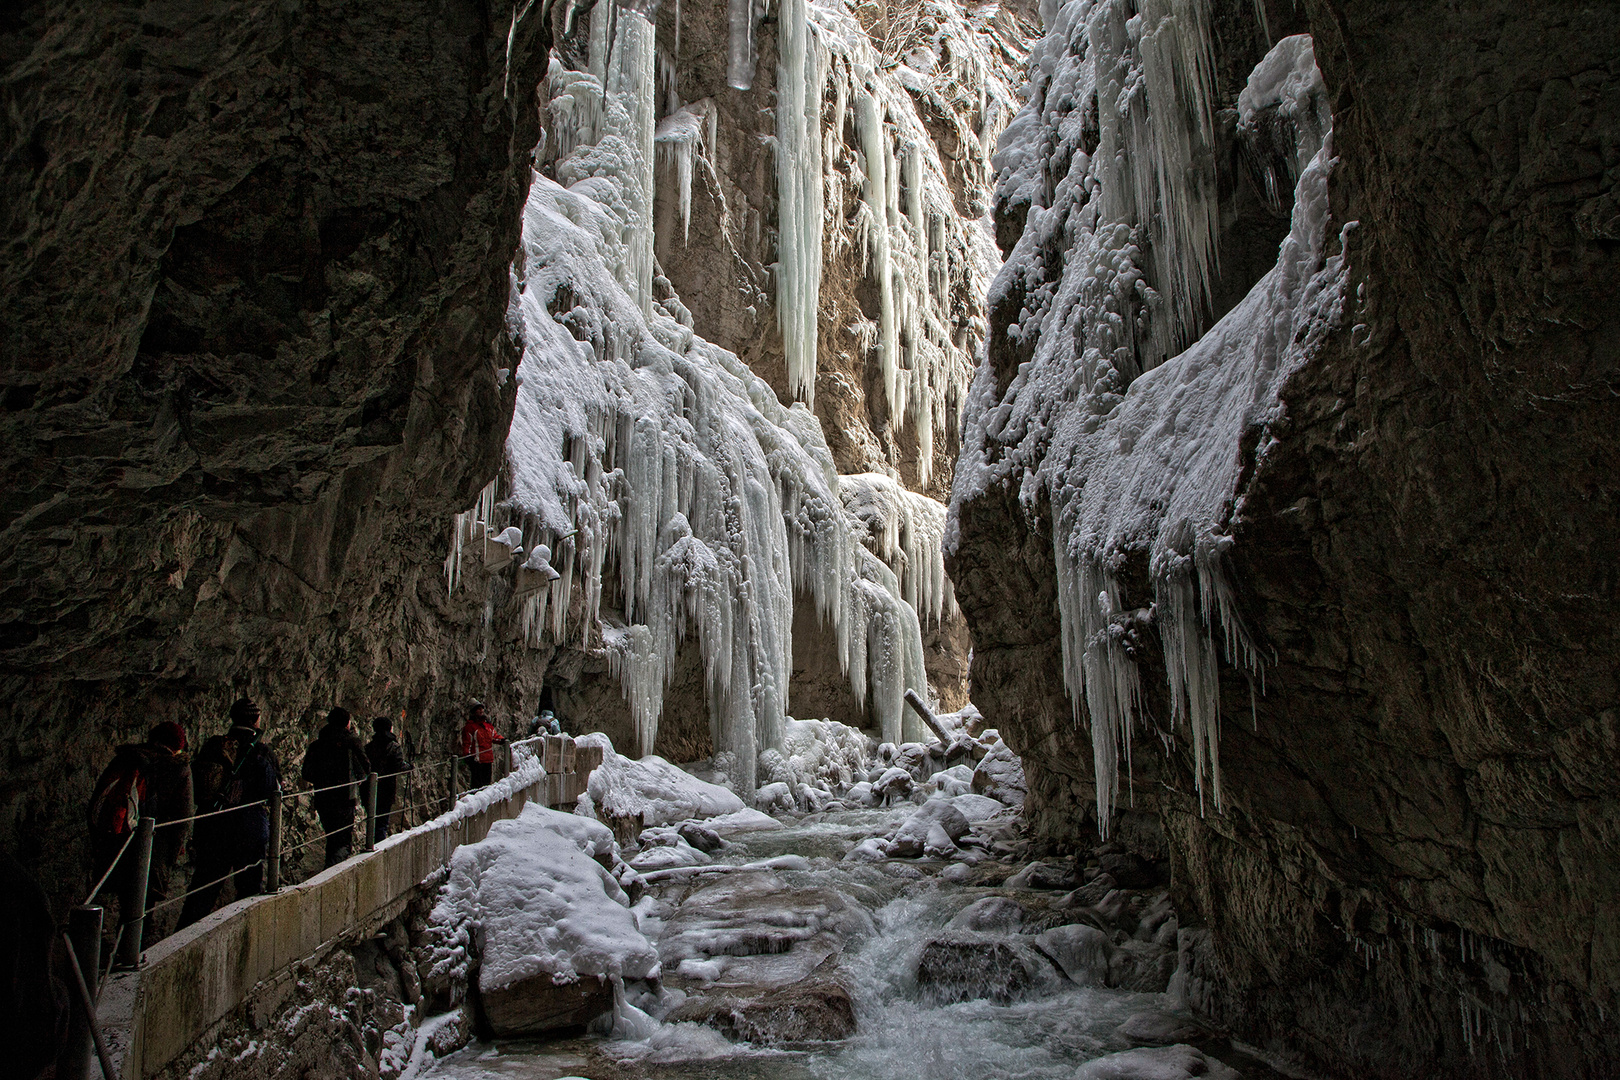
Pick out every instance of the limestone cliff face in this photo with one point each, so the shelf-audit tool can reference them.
(1414, 870)
(255, 281)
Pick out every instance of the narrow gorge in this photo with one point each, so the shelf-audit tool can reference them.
(1077, 539)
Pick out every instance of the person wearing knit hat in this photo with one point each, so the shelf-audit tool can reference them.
(388, 761)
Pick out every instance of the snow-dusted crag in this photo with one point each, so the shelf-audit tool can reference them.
(1134, 451)
(1256, 549)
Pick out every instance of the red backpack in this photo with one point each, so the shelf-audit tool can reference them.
(115, 807)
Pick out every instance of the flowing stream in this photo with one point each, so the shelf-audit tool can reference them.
(865, 924)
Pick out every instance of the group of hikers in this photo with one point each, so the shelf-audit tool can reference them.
(237, 772)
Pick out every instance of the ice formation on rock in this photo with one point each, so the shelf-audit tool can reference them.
(904, 222)
(906, 530)
(1137, 453)
(664, 477)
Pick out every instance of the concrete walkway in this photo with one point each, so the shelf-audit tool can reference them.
(243, 955)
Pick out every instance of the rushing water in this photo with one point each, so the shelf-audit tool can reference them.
(903, 1032)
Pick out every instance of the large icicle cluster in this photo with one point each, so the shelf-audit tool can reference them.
(906, 227)
(906, 530)
(1137, 453)
(670, 483)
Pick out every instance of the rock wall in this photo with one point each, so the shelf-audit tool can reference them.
(255, 270)
(1414, 868)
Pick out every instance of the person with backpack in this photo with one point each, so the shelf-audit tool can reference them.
(336, 762)
(387, 756)
(478, 739)
(149, 779)
(231, 770)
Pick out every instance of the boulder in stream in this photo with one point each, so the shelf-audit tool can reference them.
(913, 837)
(815, 1010)
(1083, 952)
(966, 968)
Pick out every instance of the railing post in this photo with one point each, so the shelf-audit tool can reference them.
(371, 811)
(272, 856)
(453, 778)
(84, 933)
(129, 951)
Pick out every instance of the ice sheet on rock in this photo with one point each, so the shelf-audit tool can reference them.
(820, 753)
(977, 808)
(665, 856)
(541, 904)
(1286, 97)
(1136, 452)
(745, 820)
(651, 789)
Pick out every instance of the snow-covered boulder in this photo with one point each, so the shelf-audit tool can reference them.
(977, 808)
(872, 849)
(956, 780)
(650, 791)
(554, 923)
(777, 796)
(894, 783)
(916, 834)
(1000, 774)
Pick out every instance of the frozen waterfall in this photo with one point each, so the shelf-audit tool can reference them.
(679, 497)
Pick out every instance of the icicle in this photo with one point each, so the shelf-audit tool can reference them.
(875, 145)
(678, 137)
(630, 83)
(799, 193)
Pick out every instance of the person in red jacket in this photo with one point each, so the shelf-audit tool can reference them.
(478, 739)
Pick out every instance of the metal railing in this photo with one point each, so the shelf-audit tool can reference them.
(129, 933)
(83, 936)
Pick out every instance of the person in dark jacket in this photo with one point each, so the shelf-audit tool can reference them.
(150, 779)
(387, 756)
(478, 739)
(231, 770)
(336, 761)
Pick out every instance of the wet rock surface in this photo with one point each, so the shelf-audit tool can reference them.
(538, 1006)
(255, 273)
(806, 1011)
